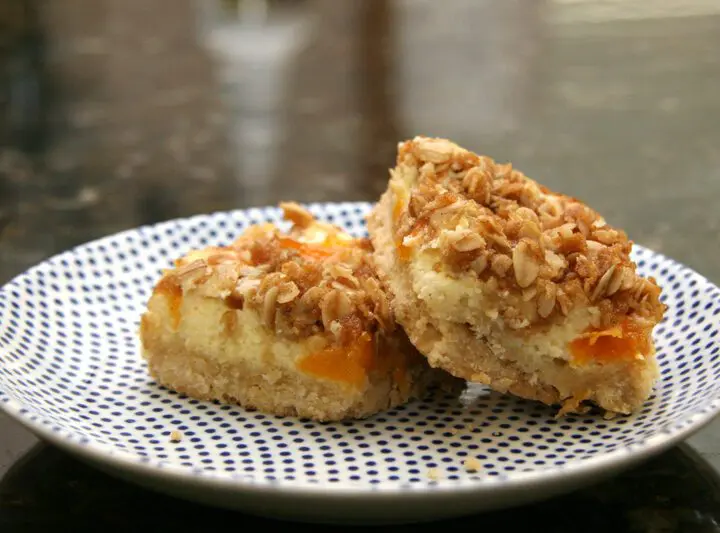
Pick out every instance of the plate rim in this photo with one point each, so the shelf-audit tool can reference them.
(620, 458)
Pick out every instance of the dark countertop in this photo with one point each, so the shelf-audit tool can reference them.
(116, 114)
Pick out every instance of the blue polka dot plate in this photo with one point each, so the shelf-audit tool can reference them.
(71, 371)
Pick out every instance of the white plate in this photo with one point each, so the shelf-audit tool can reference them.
(71, 371)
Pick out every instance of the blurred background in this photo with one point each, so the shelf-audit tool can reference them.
(116, 113)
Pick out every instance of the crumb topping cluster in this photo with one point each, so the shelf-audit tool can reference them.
(313, 279)
(542, 253)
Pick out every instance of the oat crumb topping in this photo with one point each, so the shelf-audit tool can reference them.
(314, 278)
(547, 253)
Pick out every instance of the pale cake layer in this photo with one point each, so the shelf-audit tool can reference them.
(223, 354)
(500, 281)
(289, 323)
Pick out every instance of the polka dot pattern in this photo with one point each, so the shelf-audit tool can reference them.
(70, 367)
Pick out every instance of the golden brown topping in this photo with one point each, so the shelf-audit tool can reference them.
(478, 183)
(297, 214)
(313, 279)
(546, 295)
(269, 306)
(435, 151)
(491, 221)
(335, 305)
(465, 240)
(526, 261)
(479, 264)
(287, 292)
(191, 270)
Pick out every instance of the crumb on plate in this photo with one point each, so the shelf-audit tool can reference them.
(472, 464)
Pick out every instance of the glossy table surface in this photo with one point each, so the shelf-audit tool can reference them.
(115, 114)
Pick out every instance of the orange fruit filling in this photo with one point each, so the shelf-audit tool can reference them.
(324, 244)
(347, 364)
(312, 251)
(397, 210)
(173, 293)
(352, 362)
(402, 250)
(623, 341)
